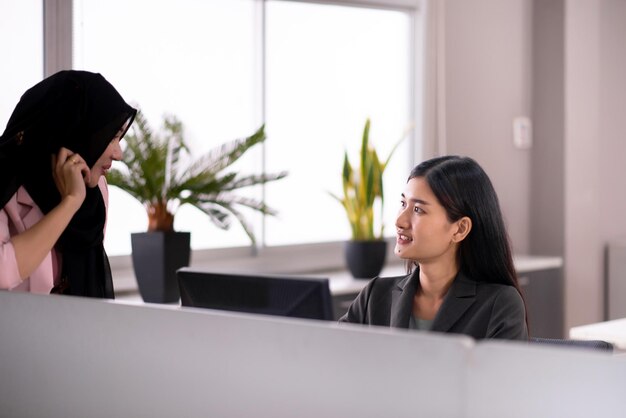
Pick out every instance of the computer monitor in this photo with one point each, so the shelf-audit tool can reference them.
(269, 294)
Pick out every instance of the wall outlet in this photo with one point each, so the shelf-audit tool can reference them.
(522, 132)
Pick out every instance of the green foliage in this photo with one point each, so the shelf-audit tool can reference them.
(161, 172)
(362, 187)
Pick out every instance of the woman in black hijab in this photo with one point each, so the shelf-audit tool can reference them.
(59, 142)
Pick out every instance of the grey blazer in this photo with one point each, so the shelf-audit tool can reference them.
(478, 309)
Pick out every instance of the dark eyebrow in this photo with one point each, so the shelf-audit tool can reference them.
(420, 201)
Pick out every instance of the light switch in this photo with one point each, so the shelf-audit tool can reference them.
(522, 132)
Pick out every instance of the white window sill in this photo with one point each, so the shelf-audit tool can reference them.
(324, 260)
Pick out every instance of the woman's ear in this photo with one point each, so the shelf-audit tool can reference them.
(464, 226)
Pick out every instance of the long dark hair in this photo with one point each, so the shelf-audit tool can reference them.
(463, 188)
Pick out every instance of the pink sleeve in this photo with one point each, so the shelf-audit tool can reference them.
(9, 273)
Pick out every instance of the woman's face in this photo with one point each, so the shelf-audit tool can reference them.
(424, 233)
(113, 152)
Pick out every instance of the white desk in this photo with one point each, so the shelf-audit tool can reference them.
(611, 331)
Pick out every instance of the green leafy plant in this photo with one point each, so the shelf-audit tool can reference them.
(362, 187)
(161, 174)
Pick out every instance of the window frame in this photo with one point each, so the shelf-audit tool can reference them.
(299, 258)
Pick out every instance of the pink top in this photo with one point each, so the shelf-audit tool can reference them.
(19, 214)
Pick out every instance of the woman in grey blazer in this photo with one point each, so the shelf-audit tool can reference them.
(461, 277)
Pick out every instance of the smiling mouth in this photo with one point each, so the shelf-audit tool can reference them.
(404, 238)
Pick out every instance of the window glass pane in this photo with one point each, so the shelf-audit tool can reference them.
(329, 68)
(21, 49)
(191, 58)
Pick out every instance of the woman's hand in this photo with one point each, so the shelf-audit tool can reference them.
(69, 171)
(31, 246)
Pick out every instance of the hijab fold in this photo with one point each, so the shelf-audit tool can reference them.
(83, 112)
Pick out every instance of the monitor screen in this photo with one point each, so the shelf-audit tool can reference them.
(281, 295)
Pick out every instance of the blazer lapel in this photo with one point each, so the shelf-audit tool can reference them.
(461, 296)
(402, 300)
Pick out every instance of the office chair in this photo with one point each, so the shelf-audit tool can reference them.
(597, 345)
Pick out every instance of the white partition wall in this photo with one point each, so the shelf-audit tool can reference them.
(516, 380)
(74, 357)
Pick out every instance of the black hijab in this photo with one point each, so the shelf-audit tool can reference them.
(83, 112)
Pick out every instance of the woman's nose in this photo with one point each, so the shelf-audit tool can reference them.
(402, 219)
(117, 151)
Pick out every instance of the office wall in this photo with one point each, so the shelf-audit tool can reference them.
(595, 149)
(488, 73)
(562, 62)
(612, 115)
(547, 170)
(583, 249)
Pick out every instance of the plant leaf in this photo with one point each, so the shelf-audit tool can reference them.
(154, 172)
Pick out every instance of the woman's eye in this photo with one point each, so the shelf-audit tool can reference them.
(417, 209)
(402, 203)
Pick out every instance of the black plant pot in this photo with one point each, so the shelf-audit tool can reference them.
(365, 259)
(156, 257)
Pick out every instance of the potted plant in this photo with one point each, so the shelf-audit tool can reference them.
(160, 173)
(362, 196)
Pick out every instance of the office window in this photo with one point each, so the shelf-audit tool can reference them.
(194, 59)
(21, 49)
(223, 69)
(328, 68)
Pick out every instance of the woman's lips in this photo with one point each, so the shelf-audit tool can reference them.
(403, 239)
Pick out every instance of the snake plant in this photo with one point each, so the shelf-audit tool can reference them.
(362, 187)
